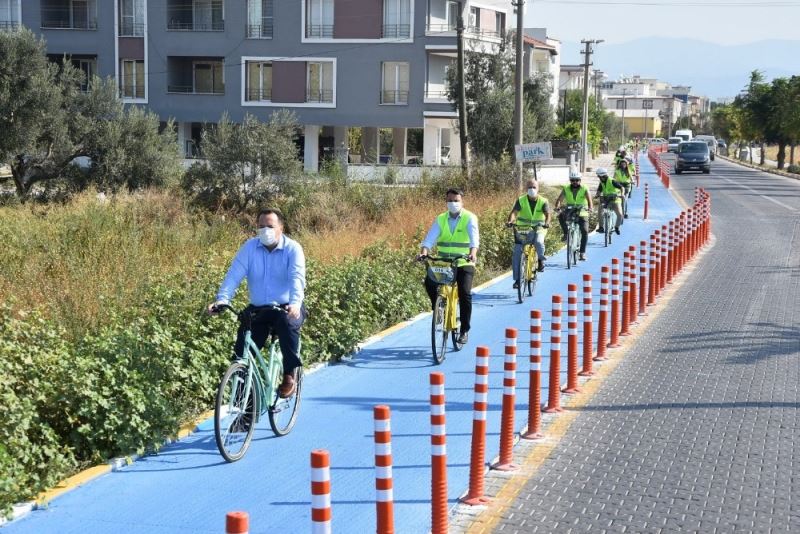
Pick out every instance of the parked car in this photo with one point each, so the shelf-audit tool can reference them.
(672, 144)
(693, 155)
(711, 141)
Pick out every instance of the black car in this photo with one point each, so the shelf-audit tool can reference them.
(693, 155)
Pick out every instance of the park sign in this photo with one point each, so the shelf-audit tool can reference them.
(533, 152)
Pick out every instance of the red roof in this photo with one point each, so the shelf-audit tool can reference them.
(536, 43)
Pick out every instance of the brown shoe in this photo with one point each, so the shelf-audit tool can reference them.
(287, 387)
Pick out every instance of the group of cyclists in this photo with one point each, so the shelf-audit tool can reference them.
(274, 265)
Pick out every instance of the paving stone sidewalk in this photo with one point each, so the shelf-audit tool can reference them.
(698, 429)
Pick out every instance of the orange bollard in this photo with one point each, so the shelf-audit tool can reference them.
(663, 250)
(237, 523)
(626, 295)
(657, 266)
(320, 492)
(572, 340)
(670, 250)
(651, 279)
(642, 277)
(587, 326)
(615, 304)
(554, 379)
(633, 285)
(384, 492)
(602, 317)
(535, 381)
(646, 200)
(438, 456)
(506, 460)
(479, 407)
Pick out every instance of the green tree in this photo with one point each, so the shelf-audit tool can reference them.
(246, 162)
(602, 123)
(784, 115)
(489, 88)
(725, 122)
(48, 123)
(753, 107)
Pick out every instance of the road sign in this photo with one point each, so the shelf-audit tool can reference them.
(533, 151)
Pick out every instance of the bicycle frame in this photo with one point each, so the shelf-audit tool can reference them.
(450, 294)
(265, 375)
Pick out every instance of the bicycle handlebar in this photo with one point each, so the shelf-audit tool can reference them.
(222, 307)
(452, 260)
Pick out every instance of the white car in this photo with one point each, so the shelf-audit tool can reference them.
(672, 144)
(711, 141)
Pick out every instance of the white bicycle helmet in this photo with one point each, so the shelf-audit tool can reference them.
(601, 172)
(574, 175)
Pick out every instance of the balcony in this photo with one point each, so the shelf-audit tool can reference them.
(320, 96)
(195, 16)
(396, 31)
(131, 29)
(319, 31)
(394, 97)
(436, 94)
(9, 24)
(195, 75)
(258, 95)
(260, 31)
(69, 15)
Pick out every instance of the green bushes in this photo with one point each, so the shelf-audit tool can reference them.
(794, 169)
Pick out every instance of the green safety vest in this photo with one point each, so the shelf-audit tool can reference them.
(528, 217)
(621, 177)
(452, 244)
(577, 200)
(608, 187)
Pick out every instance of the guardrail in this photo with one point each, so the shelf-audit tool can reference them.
(663, 168)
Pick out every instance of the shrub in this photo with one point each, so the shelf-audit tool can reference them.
(794, 169)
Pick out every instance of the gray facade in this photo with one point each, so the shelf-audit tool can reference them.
(185, 47)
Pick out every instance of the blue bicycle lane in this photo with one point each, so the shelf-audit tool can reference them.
(187, 487)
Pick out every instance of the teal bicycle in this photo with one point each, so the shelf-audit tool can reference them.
(249, 388)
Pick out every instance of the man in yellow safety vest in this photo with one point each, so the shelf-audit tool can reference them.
(529, 209)
(454, 233)
(577, 196)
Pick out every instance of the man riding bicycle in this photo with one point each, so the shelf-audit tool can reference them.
(529, 209)
(455, 233)
(622, 174)
(575, 196)
(608, 191)
(275, 268)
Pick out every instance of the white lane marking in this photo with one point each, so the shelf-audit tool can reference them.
(778, 202)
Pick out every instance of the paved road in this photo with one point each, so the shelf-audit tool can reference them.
(188, 488)
(699, 428)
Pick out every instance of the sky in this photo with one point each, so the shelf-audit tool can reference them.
(717, 21)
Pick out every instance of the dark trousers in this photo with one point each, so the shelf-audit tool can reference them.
(263, 323)
(464, 276)
(583, 223)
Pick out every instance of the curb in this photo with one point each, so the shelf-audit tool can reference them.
(770, 170)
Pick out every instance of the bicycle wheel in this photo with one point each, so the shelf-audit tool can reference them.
(234, 415)
(455, 333)
(569, 247)
(438, 332)
(531, 274)
(575, 239)
(607, 226)
(523, 262)
(283, 412)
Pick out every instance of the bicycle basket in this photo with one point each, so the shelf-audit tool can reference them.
(441, 273)
(521, 236)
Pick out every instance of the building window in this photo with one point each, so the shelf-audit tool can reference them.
(89, 69)
(259, 81)
(395, 83)
(9, 14)
(474, 18)
(131, 18)
(69, 14)
(647, 104)
(500, 23)
(260, 18)
(208, 77)
(622, 104)
(196, 15)
(131, 81)
(453, 12)
(396, 19)
(319, 18)
(320, 82)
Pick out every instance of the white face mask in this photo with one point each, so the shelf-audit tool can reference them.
(532, 191)
(454, 207)
(267, 236)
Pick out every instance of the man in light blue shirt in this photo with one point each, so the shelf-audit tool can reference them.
(275, 268)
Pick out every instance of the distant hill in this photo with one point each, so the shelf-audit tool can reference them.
(710, 69)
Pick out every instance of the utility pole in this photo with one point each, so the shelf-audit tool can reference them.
(518, 76)
(624, 105)
(462, 99)
(585, 126)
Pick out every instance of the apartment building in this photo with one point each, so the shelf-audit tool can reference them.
(542, 56)
(338, 64)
